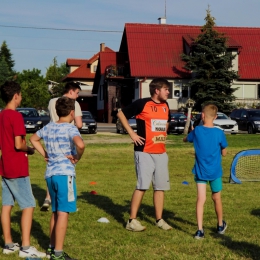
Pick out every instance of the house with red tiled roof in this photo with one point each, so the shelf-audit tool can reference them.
(154, 50)
(83, 71)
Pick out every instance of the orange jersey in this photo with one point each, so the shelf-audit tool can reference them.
(152, 119)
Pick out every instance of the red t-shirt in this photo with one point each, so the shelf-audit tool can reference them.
(151, 120)
(13, 163)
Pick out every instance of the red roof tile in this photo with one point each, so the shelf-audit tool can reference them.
(154, 49)
(75, 62)
(83, 72)
(110, 58)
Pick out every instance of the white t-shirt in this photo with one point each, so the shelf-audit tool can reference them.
(53, 115)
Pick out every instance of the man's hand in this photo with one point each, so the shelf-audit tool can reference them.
(138, 140)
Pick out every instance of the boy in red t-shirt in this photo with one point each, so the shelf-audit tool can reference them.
(16, 184)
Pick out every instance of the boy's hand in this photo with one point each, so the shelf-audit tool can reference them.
(30, 150)
(73, 158)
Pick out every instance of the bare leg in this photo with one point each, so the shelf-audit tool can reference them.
(53, 220)
(48, 196)
(6, 223)
(216, 197)
(26, 225)
(158, 201)
(136, 202)
(60, 229)
(201, 198)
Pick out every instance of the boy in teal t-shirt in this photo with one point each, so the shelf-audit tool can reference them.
(209, 144)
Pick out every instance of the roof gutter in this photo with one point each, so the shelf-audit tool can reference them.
(140, 88)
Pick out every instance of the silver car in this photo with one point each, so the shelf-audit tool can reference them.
(222, 122)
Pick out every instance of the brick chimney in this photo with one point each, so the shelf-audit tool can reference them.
(102, 47)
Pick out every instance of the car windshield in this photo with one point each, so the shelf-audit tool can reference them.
(86, 116)
(254, 113)
(28, 112)
(181, 116)
(222, 116)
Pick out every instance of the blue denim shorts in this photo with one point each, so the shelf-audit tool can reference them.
(18, 189)
(215, 185)
(63, 193)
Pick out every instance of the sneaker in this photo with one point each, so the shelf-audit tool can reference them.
(163, 225)
(135, 225)
(49, 251)
(222, 229)
(63, 256)
(31, 252)
(199, 234)
(45, 205)
(7, 250)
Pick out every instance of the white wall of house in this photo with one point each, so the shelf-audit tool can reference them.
(72, 68)
(178, 92)
(93, 66)
(235, 61)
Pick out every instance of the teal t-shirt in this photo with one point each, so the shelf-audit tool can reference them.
(208, 143)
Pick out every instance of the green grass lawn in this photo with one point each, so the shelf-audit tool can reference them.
(111, 166)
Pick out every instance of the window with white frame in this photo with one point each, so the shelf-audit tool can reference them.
(245, 91)
(176, 92)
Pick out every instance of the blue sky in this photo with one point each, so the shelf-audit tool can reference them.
(36, 48)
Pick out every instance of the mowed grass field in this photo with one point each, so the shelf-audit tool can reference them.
(111, 167)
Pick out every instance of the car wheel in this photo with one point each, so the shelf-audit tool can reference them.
(250, 130)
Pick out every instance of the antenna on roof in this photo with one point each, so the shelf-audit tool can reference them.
(165, 9)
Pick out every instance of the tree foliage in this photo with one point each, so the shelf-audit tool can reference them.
(211, 65)
(34, 89)
(56, 73)
(7, 55)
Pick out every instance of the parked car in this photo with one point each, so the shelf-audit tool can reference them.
(247, 119)
(89, 124)
(121, 129)
(177, 124)
(32, 120)
(222, 122)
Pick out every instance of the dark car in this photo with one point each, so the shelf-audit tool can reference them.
(89, 124)
(177, 124)
(247, 119)
(32, 120)
(121, 129)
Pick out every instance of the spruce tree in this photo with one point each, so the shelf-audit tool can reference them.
(7, 55)
(211, 65)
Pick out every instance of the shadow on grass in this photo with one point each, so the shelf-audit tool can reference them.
(117, 211)
(105, 203)
(255, 212)
(241, 248)
(39, 193)
(36, 231)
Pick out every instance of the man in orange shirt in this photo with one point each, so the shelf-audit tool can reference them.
(151, 160)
